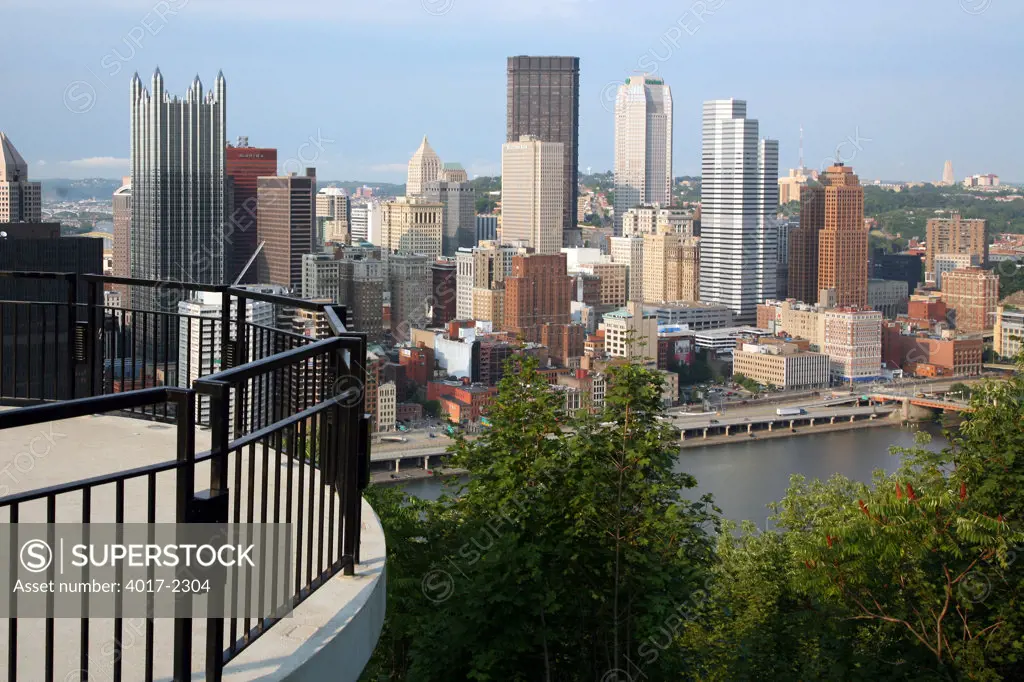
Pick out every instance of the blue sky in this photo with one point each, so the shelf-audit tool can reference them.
(902, 85)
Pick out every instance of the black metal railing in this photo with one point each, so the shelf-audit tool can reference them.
(289, 439)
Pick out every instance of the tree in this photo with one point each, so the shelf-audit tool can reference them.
(567, 553)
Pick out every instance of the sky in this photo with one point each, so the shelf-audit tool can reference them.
(894, 88)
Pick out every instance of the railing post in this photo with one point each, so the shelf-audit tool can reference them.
(70, 392)
(92, 338)
(185, 489)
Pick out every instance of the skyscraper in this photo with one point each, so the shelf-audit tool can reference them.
(335, 210)
(424, 166)
(409, 284)
(830, 248)
(459, 213)
(739, 200)
(947, 174)
(244, 165)
(643, 145)
(286, 219)
(543, 100)
(532, 194)
(178, 184)
(122, 208)
(538, 292)
(20, 200)
(412, 225)
(955, 235)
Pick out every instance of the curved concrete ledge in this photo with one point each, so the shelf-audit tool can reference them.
(332, 634)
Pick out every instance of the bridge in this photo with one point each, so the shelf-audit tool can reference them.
(710, 426)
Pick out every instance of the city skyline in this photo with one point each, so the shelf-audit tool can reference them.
(372, 143)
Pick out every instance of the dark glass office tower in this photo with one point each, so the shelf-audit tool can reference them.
(544, 101)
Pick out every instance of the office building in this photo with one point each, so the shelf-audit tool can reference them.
(443, 292)
(972, 295)
(641, 220)
(791, 185)
(543, 100)
(363, 283)
(948, 262)
(424, 167)
(20, 199)
(888, 296)
(532, 194)
(1008, 336)
(453, 172)
(629, 251)
(334, 209)
(244, 165)
(409, 281)
(853, 342)
(902, 266)
(793, 319)
(611, 282)
(643, 145)
(412, 225)
(781, 364)
(321, 277)
(178, 228)
(458, 199)
(122, 210)
(739, 200)
(358, 225)
(486, 228)
(387, 407)
(671, 269)
(631, 333)
(955, 235)
(537, 292)
(927, 354)
(481, 269)
(285, 223)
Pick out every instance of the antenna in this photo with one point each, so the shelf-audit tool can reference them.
(248, 264)
(801, 145)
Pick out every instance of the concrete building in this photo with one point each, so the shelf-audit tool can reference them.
(791, 185)
(723, 341)
(948, 262)
(902, 266)
(361, 291)
(793, 319)
(489, 304)
(629, 251)
(543, 100)
(641, 220)
(694, 315)
(483, 267)
(612, 278)
(643, 145)
(830, 248)
(458, 218)
(631, 333)
(486, 228)
(424, 167)
(537, 292)
(531, 194)
(285, 223)
(20, 199)
(955, 235)
(409, 284)
(671, 269)
(972, 294)
(739, 201)
(244, 165)
(178, 228)
(122, 210)
(334, 209)
(1009, 327)
(358, 225)
(888, 297)
(387, 407)
(853, 342)
(412, 225)
(782, 364)
(321, 277)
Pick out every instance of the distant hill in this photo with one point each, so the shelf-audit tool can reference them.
(59, 189)
(385, 189)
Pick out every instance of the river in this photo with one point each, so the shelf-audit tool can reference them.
(746, 475)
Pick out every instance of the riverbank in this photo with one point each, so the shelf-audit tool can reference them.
(741, 436)
(389, 478)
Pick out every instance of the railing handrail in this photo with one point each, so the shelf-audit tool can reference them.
(212, 384)
(162, 283)
(83, 407)
(35, 274)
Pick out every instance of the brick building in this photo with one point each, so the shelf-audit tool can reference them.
(538, 292)
(972, 294)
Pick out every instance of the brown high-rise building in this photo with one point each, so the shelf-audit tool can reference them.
(122, 206)
(538, 292)
(544, 101)
(830, 248)
(954, 235)
(286, 222)
(243, 166)
(443, 291)
(410, 281)
(972, 294)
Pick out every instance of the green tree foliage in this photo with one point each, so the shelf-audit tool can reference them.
(907, 211)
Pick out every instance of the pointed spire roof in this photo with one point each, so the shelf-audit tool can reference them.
(12, 166)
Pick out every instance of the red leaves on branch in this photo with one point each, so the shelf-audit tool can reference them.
(828, 539)
(963, 490)
(899, 491)
(863, 507)
(910, 492)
